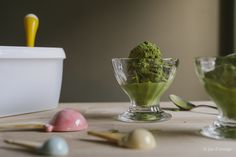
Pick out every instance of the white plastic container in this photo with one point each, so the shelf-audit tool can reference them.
(30, 79)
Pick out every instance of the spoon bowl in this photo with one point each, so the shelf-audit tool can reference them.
(54, 146)
(67, 120)
(186, 105)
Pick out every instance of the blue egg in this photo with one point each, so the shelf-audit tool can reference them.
(54, 146)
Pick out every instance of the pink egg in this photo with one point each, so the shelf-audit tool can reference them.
(67, 120)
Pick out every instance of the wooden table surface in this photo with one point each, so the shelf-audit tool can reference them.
(176, 137)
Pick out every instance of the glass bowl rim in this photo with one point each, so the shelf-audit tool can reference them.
(164, 59)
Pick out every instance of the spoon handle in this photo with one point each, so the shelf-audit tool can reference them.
(31, 23)
(26, 144)
(213, 107)
(171, 109)
(26, 126)
(112, 137)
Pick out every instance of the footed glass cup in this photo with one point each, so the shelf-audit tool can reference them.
(219, 79)
(144, 83)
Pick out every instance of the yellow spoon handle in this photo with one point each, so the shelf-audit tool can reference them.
(31, 23)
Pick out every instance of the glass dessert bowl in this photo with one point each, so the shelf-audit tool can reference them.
(218, 75)
(144, 81)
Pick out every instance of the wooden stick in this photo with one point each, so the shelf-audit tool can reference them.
(112, 137)
(23, 126)
(26, 144)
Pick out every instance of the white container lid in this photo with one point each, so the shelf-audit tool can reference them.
(31, 52)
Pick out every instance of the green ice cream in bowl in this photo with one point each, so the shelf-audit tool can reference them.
(144, 76)
(218, 75)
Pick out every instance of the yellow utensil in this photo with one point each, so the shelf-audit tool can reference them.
(31, 23)
(136, 139)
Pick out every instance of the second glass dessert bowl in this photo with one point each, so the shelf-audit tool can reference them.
(144, 81)
(218, 75)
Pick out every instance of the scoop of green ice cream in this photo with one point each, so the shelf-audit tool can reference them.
(145, 50)
(149, 65)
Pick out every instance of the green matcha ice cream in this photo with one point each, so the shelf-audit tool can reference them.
(147, 79)
(145, 94)
(220, 84)
(146, 50)
(148, 66)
